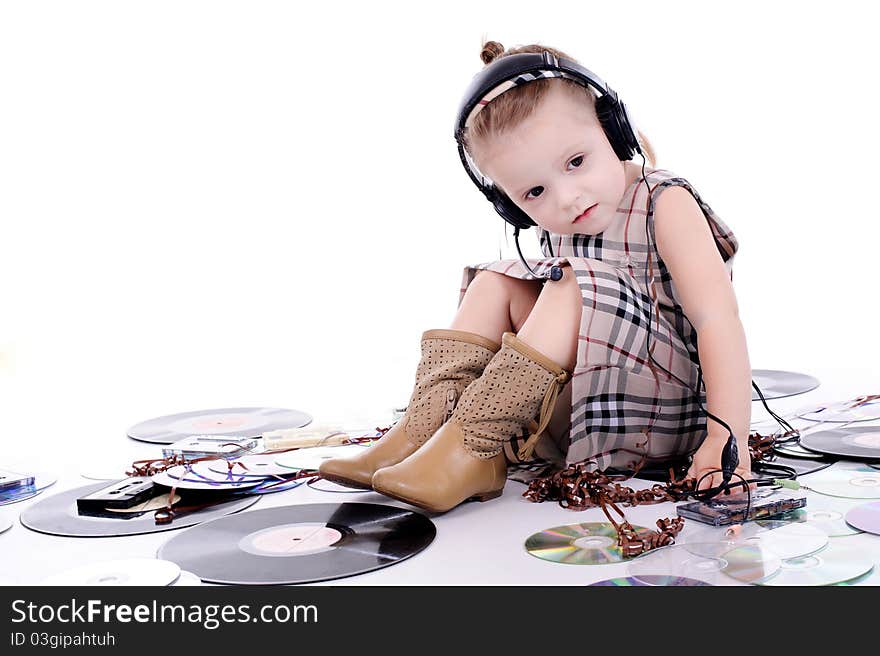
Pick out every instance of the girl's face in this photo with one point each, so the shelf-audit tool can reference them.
(557, 165)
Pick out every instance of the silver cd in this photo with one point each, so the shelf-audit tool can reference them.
(843, 412)
(312, 457)
(852, 483)
(42, 480)
(775, 384)
(128, 571)
(235, 422)
(834, 564)
(715, 563)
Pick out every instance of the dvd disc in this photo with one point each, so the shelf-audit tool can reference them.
(859, 442)
(253, 465)
(865, 517)
(58, 515)
(776, 384)
(182, 477)
(843, 412)
(300, 543)
(186, 579)
(822, 512)
(128, 571)
(710, 562)
(855, 483)
(783, 540)
(235, 422)
(834, 564)
(649, 580)
(42, 480)
(312, 457)
(593, 543)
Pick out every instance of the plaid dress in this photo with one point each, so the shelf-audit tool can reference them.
(619, 408)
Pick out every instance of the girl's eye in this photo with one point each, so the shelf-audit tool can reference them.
(577, 161)
(529, 193)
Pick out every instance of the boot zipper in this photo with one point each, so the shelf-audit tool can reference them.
(451, 398)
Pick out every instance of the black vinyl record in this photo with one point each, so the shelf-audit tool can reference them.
(801, 466)
(300, 543)
(857, 442)
(58, 515)
(234, 422)
(776, 384)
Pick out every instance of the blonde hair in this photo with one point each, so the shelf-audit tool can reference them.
(513, 107)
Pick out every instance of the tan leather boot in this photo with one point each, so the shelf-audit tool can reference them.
(464, 458)
(451, 360)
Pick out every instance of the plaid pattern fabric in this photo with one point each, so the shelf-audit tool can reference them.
(620, 410)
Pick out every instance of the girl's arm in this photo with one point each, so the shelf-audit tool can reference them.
(685, 242)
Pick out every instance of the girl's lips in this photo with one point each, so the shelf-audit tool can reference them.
(586, 213)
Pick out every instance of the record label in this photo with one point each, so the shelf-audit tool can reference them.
(235, 422)
(300, 543)
(775, 384)
(593, 543)
(860, 442)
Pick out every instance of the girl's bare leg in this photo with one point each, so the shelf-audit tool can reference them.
(553, 324)
(495, 304)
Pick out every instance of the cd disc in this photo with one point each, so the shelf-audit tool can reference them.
(300, 543)
(186, 578)
(323, 485)
(128, 571)
(822, 512)
(711, 562)
(648, 580)
(262, 464)
(5, 524)
(783, 539)
(859, 442)
(865, 517)
(58, 515)
(42, 480)
(794, 450)
(834, 564)
(856, 483)
(843, 412)
(235, 422)
(312, 457)
(182, 477)
(776, 384)
(593, 543)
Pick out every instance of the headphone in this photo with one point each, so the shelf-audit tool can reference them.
(508, 72)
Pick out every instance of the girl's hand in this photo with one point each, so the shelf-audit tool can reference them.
(708, 459)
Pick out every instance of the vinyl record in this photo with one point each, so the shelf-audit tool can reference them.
(312, 457)
(865, 517)
(57, 515)
(823, 512)
(235, 422)
(842, 412)
(855, 483)
(857, 442)
(593, 543)
(778, 384)
(649, 580)
(128, 571)
(801, 466)
(795, 450)
(710, 562)
(834, 564)
(300, 543)
(42, 480)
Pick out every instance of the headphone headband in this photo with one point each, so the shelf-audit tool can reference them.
(506, 73)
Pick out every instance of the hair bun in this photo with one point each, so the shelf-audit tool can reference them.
(491, 51)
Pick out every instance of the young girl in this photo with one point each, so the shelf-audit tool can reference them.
(643, 302)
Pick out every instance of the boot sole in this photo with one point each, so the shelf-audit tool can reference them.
(483, 496)
(345, 482)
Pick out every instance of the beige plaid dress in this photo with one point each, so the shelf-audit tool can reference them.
(618, 410)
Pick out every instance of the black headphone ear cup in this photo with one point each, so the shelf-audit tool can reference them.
(509, 211)
(614, 123)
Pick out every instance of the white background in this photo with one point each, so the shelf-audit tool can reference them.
(215, 204)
